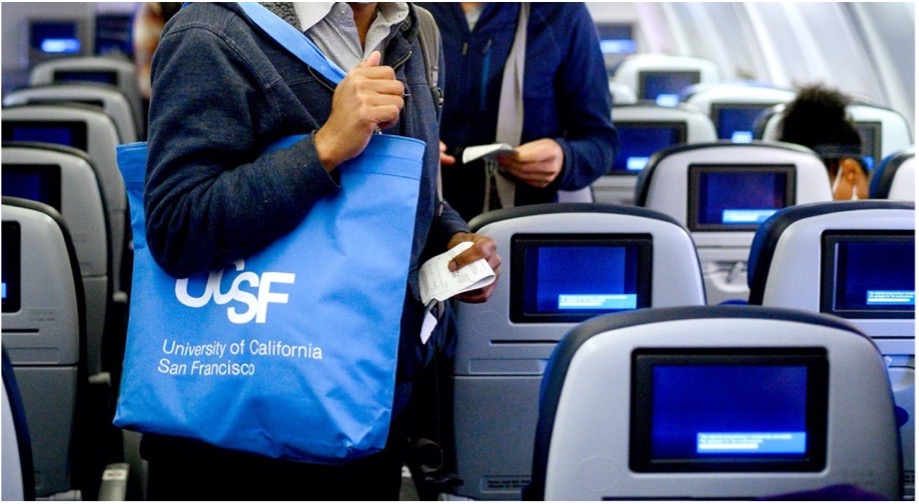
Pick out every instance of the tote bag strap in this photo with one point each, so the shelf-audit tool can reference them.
(301, 46)
(293, 40)
(510, 116)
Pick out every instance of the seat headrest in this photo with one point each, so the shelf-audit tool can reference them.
(883, 177)
(482, 220)
(769, 233)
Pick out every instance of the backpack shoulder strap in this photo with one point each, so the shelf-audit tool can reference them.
(429, 38)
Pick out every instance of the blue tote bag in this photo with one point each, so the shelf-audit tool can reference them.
(290, 353)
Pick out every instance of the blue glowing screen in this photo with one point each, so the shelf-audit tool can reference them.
(740, 197)
(561, 278)
(55, 37)
(11, 266)
(100, 76)
(637, 142)
(582, 278)
(735, 123)
(49, 134)
(664, 87)
(33, 182)
(728, 410)
(69, 133)
(875, 275)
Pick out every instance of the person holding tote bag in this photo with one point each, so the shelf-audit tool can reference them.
(223, 92)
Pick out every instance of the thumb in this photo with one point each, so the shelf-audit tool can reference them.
(372, 60)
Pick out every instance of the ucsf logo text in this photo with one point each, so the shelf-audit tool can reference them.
(256, 304)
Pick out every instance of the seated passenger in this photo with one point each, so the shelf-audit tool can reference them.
(817, 119)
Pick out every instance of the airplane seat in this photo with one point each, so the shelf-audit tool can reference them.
(116, 72)
(18, 482)
(735, 106)
(766, 126)
(44, 334)
(643, 129)
(111, 99)
(563, 263)
(722, 192)
(622, 93)
(65, 178)
(661, 77)
(582, 195)
(856, 260)
(715, 403)
(89, 129)
(895, 177)
(883, 130)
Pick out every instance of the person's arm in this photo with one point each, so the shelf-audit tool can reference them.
(211, 195)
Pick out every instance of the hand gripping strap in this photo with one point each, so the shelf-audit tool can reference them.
(293, 40)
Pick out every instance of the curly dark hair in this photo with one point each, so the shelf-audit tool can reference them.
(817, 119)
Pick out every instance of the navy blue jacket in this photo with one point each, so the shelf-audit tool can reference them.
(222, 92)
(566, 94)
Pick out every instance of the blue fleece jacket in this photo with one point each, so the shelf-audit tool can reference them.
(566, 94)
(222, 92)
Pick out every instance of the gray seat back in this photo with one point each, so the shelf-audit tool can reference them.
(106, 96)
(714, 402)
(89, 129)
(645, 128)
(119, 73)
(562, 263)
(18, 483)
(721, 192)
(32, 170)
(43, 332)
(734, 107)
(895, 178)
(854, 259)
(661, 77)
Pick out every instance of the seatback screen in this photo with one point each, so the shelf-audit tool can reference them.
(12, 267)
(570, 278)
(734, 121)
(639, 140)
(33, 182)
(737, 197)
(69, 133)
(729, 410)
(54, 37)
(616, 38)
(871, 142)
(103, 76)
(663, 87)
(868, 274)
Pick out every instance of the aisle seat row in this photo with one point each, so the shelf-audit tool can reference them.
(59, 139)
(504, 346)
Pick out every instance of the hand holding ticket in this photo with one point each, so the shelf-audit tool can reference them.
(489, 151)
(439, 283)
